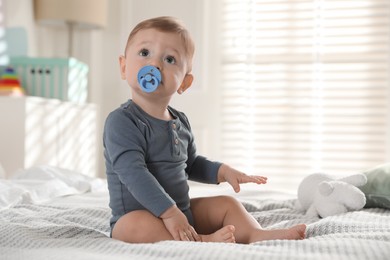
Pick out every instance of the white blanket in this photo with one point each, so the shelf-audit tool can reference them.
(43, 183)
(76, 231)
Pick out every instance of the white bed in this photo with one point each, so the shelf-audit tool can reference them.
(49, 213)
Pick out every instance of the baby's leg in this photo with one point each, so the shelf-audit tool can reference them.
(141, 226)
(213, 213)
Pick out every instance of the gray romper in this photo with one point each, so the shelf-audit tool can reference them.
(148, 162)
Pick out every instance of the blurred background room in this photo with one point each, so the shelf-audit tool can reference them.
(283, 88)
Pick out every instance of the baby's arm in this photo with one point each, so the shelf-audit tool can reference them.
(177, 224)
(235, 177)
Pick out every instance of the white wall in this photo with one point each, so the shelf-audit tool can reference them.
(100, 50)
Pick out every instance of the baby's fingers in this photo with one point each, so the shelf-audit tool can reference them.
(261, 179)
(194, 234)
(184, 236)
(257, 179)
(189, 235)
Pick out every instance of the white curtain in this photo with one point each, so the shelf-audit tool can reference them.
(305, 86)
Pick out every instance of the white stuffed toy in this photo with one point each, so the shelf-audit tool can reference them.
(321, 195)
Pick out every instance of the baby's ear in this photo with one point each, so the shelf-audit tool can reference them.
(122, 66)
(187, 82)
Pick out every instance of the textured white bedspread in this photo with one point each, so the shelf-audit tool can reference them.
(64, 229)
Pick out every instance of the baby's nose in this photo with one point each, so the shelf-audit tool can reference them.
(157, 64)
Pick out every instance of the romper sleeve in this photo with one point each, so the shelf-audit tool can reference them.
(199, 168)
(125, 148)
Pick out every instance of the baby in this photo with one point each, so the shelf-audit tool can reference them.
(150, 153)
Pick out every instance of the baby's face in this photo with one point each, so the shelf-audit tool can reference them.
(160, 49)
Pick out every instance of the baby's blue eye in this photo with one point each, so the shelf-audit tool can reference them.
(170, 60)
(144, 52)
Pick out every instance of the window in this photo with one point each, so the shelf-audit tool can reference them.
(305, 86)
(3, 44)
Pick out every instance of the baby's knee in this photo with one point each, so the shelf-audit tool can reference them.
(229, 200)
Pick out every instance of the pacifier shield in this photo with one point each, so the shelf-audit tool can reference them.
(149, 77)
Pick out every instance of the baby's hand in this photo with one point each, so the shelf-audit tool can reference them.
(235, 177)
(177, 224)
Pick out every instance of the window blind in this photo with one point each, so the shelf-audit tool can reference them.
(305, 86)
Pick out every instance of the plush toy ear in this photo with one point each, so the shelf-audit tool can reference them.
(355, 180)
(325, 188)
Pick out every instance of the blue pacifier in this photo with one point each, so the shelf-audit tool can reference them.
(149, 77)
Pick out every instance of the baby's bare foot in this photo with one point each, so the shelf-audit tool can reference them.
(296, 232)
(225, 234)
